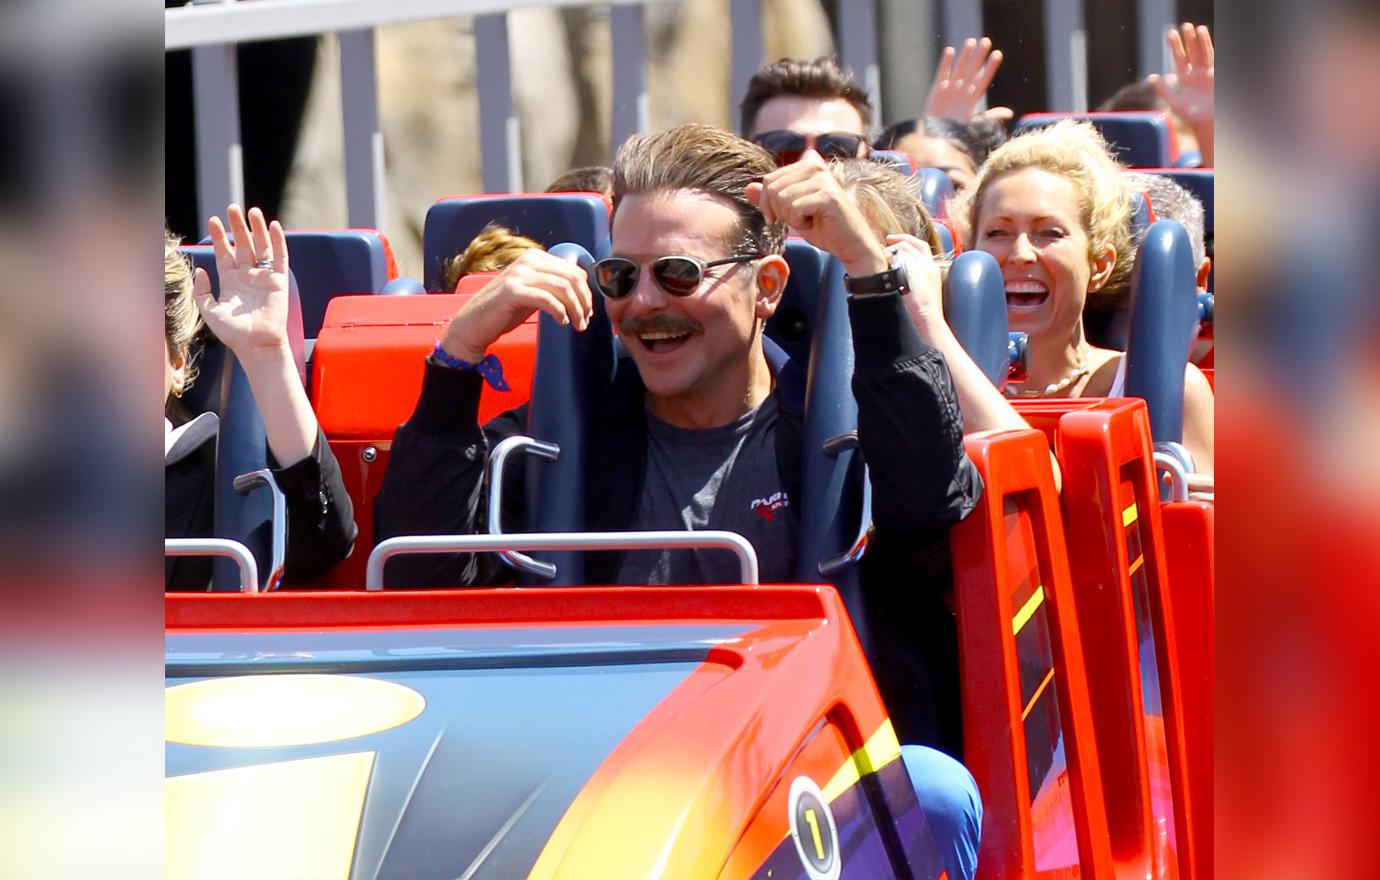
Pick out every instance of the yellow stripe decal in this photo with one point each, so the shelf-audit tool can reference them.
(1129, 515)
(880, 749)
(1027, 610)
(1140, 560)
(285, 819)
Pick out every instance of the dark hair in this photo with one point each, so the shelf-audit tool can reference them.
(1138, 95)
(820, 78)
(591, 178)
(701, 158)
(976, 138)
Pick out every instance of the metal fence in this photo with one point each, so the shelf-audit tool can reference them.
(212, 28)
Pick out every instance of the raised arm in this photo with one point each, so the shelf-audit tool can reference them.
(1189, 89)
(961, 80)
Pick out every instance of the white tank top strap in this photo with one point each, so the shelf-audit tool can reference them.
(1118, 388)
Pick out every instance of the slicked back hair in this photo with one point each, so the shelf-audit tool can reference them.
(706, 159)
(820, 78)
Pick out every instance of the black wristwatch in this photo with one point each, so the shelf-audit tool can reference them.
(891, 281)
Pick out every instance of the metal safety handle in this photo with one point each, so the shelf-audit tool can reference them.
(653, 540)
(834, 447)
(246, 483)
(497, 459)
(249, 569)
(1178, 475)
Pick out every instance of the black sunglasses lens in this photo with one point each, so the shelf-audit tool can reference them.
(784, 145)
(838, 146)
(615, 277)
(677, 275)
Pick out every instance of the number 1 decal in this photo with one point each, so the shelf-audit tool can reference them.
(813, 830)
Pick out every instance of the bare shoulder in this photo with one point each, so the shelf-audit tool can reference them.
(1103, 364)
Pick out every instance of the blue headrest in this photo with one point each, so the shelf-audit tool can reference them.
(548, 218)
(403, 286)
(569, 366)
(830, 485)
(1138, 139)
(1198, 181)
(946, 240)
(791, 326)
(1164, 313)
(935, 191)
(331, 262)
(975, 308)
(893, 157)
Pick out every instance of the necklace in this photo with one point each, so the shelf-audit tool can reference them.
(1079, 369)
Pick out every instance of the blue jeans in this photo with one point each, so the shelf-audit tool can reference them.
(949, 796)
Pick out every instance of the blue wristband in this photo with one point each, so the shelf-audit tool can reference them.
(489, 366)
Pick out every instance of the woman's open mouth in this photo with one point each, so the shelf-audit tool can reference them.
(1025, 296)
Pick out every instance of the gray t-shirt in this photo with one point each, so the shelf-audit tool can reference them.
(714, 478)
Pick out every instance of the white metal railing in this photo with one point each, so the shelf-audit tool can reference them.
(212, 28)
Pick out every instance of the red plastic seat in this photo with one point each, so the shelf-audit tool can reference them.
(1026, 712)
(1121, 577)
(366, 378)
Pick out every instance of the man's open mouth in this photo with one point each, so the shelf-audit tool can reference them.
(662, 343)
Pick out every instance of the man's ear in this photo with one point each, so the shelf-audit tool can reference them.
(1102, 267)
(1204, 271)
(772, 274)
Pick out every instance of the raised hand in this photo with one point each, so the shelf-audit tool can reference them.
(534, 281)
(926, 283)
(959, 85)
(806, 197)
(1189, 90)
(251, 314)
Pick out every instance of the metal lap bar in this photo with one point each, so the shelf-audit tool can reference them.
(246, 483)
(249, 569)
(1178, 475)
(657, 540)
(833, 447)
(497, 459)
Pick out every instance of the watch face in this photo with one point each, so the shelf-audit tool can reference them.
(901, 262)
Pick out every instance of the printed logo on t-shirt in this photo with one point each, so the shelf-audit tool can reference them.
(767, 507)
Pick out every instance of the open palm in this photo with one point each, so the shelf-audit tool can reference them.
(252, 312)
(1189, 90)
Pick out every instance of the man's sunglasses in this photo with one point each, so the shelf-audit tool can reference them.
(787, 146)
(616, 277)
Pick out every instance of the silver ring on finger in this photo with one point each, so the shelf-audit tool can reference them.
(263, 263)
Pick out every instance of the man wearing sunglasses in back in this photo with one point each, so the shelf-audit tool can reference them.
(791, 106)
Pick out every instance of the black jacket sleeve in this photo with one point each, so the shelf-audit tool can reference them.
(435, 482)
(909, 425)
(321, 519)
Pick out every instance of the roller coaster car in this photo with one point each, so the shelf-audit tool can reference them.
(728, 732)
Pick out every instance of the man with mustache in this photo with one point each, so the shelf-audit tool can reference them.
(696, 433)
(703, 438)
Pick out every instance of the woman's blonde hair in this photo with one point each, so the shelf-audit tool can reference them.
(1076, 152)
(490, 251)
(181, 320)
(888, 199)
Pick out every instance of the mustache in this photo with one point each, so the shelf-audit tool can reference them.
(671, 325)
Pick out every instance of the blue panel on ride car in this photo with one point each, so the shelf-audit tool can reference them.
(548, 218)
(1139, 140)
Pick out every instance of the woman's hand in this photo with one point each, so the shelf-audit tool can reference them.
(925, 303)
(960, 85)
(251, 315)
(1189, 90)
